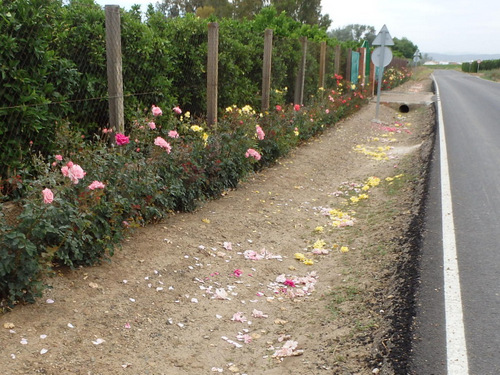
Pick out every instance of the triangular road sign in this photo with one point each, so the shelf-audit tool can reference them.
(383, 38)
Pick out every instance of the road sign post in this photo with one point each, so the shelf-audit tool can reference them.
(383, 39)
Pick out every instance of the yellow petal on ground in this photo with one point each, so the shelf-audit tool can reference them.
(299, 256)
(206, 221)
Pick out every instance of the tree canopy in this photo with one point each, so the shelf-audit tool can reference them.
(354, 32)
(404, 48)
(304, 11)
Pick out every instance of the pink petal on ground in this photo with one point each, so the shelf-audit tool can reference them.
(238, 317)
(258, 314)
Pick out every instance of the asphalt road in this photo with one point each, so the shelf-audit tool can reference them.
(457, 326)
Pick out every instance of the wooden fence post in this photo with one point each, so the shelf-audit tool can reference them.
(322, 64)
(337, 59)
(362, 64)
(212, 72)
(114, 68)
(349, 65)
(301, 75)
(372, 78)
(266, 69)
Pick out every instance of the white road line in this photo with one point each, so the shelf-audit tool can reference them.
(455, 334)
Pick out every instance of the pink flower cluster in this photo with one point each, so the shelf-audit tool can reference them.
(159, 141)
(96, 185)
(73, 171)
(177, 110)
(260, 132)
(253, 153)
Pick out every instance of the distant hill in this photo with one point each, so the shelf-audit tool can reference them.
(461, 58)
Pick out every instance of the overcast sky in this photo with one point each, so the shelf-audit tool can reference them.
(439, 26)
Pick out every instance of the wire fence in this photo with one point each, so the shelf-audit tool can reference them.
(54, 71)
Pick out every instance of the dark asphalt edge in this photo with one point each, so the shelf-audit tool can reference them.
(394, 348)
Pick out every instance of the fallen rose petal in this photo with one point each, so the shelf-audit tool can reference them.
(258, 314)
(228, 246)
(246, 338)
(237, 272)
(220, 293)
(127, 325)
(71, 325)
(24, 341)
(13, 356)
(43, 337)
(238, 317)
(98, 341)
(8, 325)
(43, 351)
(50, 300)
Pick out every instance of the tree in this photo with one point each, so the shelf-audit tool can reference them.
(176, 8)
(247, 8)
(354, 32)
(304, 11)
(404, 48)
(205, 11)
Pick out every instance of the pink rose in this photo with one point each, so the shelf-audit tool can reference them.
(296, 107)
(152, 125)
(121, 139)
(65, 171)
(58, 157)
(173, 134)
(177, 110)
(278, 108)
(48, 196)
(73, 171)
(159, 141)
(96, 185)
(252, 153)
(260, 132)
(156, 111)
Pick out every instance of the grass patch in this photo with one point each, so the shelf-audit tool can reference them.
(492, 75)
(344, 294)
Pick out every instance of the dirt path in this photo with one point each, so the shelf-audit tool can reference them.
(221, 291)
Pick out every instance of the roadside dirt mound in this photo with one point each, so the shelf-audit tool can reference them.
(292, 273)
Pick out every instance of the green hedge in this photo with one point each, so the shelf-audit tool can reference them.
(473, 67)
(54, 68)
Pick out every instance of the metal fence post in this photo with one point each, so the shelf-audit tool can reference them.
(212, 72)
(114, 68)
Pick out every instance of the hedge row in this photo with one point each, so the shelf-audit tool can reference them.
(92, 192)
(474, 66)
(54, 68)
